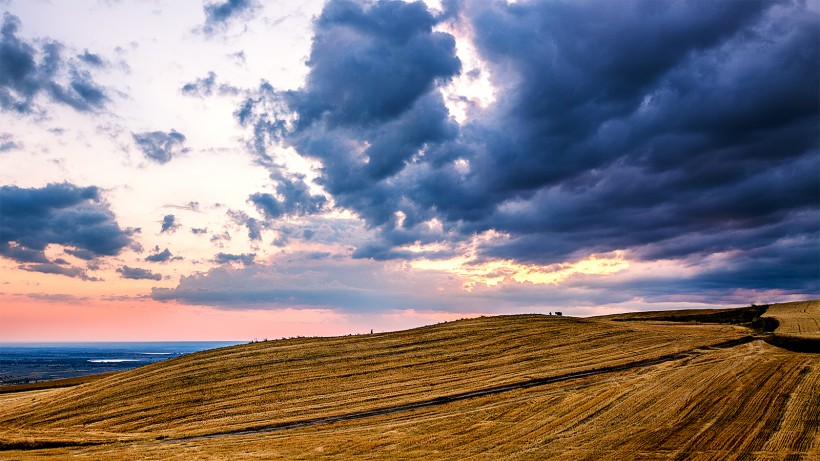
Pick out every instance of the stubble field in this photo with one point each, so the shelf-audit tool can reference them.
(507, 387)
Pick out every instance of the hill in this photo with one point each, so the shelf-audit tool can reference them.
(798, 325)
(506, 387)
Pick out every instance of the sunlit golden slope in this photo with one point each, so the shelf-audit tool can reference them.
(799, 319)
(509, 387)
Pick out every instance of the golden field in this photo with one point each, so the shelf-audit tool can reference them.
(506, 387)
(799, 319)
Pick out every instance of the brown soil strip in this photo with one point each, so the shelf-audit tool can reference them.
(273, 427)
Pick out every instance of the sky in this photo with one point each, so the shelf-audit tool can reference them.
(247, 169)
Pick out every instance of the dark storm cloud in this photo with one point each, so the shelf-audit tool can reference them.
(160, 146)
(369, 103)
(781, 266)
(669, 129)
(218, 14)
(23, 78)
(135, 273)
(208, 86)
(585, 70)
(717, 102)
(660, 216)
(169, 224)
(244, 258)
(63, 214)
(23, 254)
(382, 58)
(789, 264)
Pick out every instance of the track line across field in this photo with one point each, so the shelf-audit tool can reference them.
(273, 427)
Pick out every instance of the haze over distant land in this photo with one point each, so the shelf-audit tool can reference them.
(246, 169)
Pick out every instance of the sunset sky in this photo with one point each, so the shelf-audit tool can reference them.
(230, 170)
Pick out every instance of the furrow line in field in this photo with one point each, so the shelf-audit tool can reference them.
(465, 395)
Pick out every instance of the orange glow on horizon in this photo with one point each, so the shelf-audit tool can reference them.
(507, 271)
(27, 319)
(23, 318)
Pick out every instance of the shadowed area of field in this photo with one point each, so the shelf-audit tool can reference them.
(507, 387)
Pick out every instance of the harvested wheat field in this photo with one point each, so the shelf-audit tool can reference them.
(798, 325)
(506, 387)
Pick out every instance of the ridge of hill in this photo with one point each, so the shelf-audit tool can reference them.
(794, 326)
(516, 387)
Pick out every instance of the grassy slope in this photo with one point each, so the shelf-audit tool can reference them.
(752, 398)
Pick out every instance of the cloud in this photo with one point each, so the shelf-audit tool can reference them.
(219, 14)
(304, 282)
(253, 225)
(190, 206)
(780, 265)
(82, 93)
(56, 297)
(62, 214)
(7, 142)
(169, 224)
(160, 146)
(293, 198)
(217, 239)
(59, 269)
(673, 131)
(160, 256)
(239, 57)
(135, 273)
(23, 77)
(244, 258)
(91, 58)
(83, 254)
(254, 229)
(370, 102)
(309, 280)
(207, 86)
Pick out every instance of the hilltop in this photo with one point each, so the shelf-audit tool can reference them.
(708, 385)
